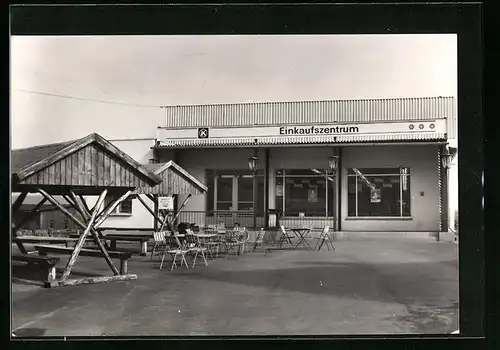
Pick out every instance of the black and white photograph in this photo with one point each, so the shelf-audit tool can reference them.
(241, 185)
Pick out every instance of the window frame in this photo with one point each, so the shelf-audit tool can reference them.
(404, 171)
(326, 174)
(118, 211)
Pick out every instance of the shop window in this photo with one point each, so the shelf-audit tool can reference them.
(307, 192)
(378, 192)
(124, 208)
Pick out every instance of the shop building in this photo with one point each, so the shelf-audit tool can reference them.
(354, 165)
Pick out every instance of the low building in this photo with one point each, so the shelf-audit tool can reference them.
(354, 165)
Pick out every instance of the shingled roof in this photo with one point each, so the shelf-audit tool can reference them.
(23, 157)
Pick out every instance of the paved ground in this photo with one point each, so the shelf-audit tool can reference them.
(368, 286)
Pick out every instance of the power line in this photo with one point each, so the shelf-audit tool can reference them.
(86, 99)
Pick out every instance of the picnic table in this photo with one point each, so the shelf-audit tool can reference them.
(114, 237)
(301, 233)
(21, 240)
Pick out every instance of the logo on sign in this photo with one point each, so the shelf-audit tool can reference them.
(203, 133)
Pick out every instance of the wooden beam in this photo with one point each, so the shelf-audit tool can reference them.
(182, 206)
(61, 208)
(84, 203)
(70, 201)
(28, 216)
(155, 201)
(81, 240)
(19, 201)
(155, 217)
(105, 215)
(96, 236)
(93, 280)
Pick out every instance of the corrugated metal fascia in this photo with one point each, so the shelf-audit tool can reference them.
(311, 111)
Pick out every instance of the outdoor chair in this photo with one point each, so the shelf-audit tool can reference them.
(175, 249)
(244, 237)
(213, 245)
(259, 239)
(159, 243)
(285, 237)
(233, 241)
(324, 238)
(269, 241)
(194, 247)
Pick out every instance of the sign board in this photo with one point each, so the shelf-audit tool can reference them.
(305, 130)
(166, 203)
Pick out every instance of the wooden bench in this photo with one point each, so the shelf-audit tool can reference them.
(123, 256)
(47, 263)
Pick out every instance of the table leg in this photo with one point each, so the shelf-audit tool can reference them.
(21, 248)
(144, 248)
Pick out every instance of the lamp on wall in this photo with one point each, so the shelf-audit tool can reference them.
(448, 155)
(252, 163)
(333, 163)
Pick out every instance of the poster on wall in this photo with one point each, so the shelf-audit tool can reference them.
(166, 203)
(312, 195)
(279, 190)
(375, 195)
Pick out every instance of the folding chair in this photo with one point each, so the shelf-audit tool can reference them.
(285, 238)
(231, 241)
(159, 243)
(324, 237)
(175, 249)
(259, 239)
(194, 246)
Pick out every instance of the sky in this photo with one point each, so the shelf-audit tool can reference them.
(177, 70)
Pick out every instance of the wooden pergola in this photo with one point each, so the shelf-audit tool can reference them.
(175, 181)
(90, 166)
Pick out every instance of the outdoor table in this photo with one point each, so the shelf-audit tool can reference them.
(301, 234)
(20, 241)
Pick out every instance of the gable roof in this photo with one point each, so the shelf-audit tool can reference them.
(25, 162)
(20, 158)
(160, 168)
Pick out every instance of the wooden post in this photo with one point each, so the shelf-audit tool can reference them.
(28, 216)
(156, 208)
(82, 238)
(106, 213)
(148, 209)
(19, 200)
(84, 203)
(97, 240)
(182, 206)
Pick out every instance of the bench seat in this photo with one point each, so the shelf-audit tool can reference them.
(123, 256)
(46, 263)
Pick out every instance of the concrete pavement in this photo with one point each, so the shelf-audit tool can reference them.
(402, 285)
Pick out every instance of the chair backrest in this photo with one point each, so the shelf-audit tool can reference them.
(260, 236)
(159, 236)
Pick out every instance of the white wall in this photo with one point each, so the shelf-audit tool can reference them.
(140, 150)
(422, 161)
(140, 217)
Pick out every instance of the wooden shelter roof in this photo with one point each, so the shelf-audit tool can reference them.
(175, 180)
(88, 164)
